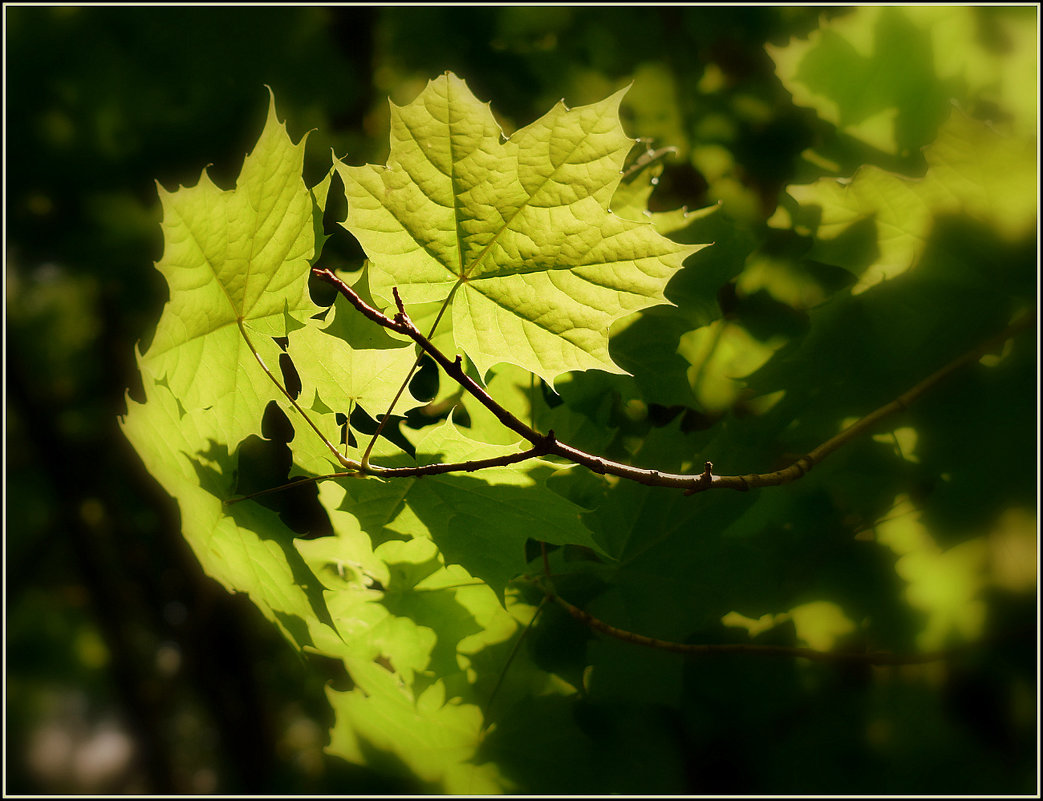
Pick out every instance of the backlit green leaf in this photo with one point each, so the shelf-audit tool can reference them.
(480, 521)
(515, 232)
(237, 264)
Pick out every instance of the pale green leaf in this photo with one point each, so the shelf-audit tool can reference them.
(481, 520)
(408, 579)
(245, 547)
(436, 739)
(515, 233)
(430, 621)
(721, 355)
(237, 262)
(349, 362)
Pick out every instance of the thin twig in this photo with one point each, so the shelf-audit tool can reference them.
(417, 471)
(697, 649)
(548, 445)
(405, 383)
(902, 402)
(647, 159)
(707, 649)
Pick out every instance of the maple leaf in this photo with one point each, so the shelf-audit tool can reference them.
(438, 739)
(345, 363)
(481, 523)
(244, 550)
(514, 233)
(236, 262)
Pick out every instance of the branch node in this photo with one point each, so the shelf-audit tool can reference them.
(704, 482)
(398, 301)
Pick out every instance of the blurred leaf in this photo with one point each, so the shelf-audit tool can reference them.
(887, 75)
(877, 224)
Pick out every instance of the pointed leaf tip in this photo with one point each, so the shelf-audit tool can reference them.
(229, 256)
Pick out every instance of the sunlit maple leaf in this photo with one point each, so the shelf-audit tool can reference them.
(515, 234)
(237, 263)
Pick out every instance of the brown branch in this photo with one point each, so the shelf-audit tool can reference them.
(416, 471)
(699, 649)
(693, 649)
(419, 471)
(548, 445)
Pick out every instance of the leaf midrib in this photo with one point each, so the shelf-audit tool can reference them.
(466, 272)
(239, 314)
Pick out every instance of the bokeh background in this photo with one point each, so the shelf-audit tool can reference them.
(127, 669)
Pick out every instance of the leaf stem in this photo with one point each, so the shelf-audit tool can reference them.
(409, 377)
(343, 460)
(510, 659)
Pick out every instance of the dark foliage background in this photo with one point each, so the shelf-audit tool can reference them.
(128, 670)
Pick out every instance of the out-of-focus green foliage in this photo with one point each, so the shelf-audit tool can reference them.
(889, 76)
(130, 671)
